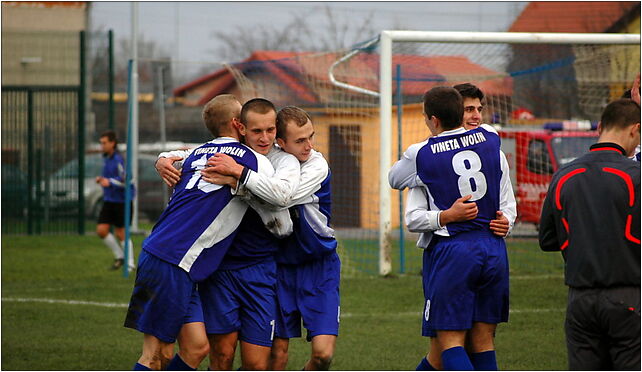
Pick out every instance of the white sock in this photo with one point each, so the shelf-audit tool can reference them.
(130, 253)
(111, 243)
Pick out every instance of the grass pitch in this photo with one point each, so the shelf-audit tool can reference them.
(63, 310)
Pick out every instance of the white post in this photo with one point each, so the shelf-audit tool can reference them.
(134, 93)
(511, 37)
(385, 151)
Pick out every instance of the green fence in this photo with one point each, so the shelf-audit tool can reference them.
(44, 171)
(42, 138)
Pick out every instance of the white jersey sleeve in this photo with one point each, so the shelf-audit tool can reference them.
(403, 172)
(313, 172)
(418, 217)
(176, 153)
(279, 188)
(278, 222)
(507, 203)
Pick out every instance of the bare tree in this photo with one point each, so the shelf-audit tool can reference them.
(295, 36)
(98, 61)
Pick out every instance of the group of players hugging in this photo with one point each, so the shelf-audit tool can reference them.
(244, 252)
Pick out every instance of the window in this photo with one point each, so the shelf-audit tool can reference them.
(539, 160)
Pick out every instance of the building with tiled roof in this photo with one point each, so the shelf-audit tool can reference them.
(302, 78)
(546, 94)
(575, 16)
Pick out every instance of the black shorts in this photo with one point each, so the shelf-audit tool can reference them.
(113, 214)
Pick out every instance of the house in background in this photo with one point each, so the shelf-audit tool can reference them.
(547, 94)
(288, 78)
(40, 42)
(346, 122)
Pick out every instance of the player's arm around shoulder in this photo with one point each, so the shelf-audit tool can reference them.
(403, 172)
(279, 188)
(418, 216)
(169, 163)
(278, 222)
(177, 156)
(313, 172)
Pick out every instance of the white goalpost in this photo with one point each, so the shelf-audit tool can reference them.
(385, 94)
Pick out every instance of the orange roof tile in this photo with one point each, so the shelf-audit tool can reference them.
(296, 72)
(571, 16)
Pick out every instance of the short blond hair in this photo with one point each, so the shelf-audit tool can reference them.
(219, 111)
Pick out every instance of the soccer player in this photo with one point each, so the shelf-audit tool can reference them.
(190, 239)
(310, 198)
(308, 264)
(112, 213)
(243, 291)
(453, 165)
(403, 173)
(592, 215)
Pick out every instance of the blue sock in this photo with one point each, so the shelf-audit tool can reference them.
(140, 367)
(177, 364)
(484, 361)
(424, 365)
(456, 359)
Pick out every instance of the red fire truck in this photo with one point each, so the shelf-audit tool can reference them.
(533, 156)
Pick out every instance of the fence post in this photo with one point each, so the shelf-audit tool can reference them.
(402, 245)
(110, 78)
(81, 139)
(30, 160)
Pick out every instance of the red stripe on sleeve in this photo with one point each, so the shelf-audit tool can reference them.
(558, 189)
(627, 180)
(627, 231)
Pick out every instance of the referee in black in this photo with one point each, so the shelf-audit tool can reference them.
(592, 214)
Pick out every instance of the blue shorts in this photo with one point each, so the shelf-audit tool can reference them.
(163, 299)
(309, 291)
(465, 280)
(241, 300)
(195, 309)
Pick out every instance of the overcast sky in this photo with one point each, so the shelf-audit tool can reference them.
(186, 28)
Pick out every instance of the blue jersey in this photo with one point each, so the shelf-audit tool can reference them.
(464, 163)
(114, 171)
(253, 244)
(202, 219)
(312, 237)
